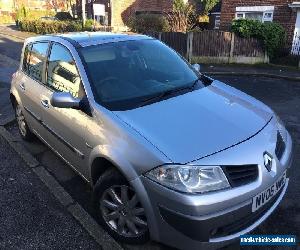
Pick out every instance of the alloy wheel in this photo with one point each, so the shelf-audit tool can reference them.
(123, 212)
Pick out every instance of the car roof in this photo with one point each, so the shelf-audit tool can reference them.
(84, 39)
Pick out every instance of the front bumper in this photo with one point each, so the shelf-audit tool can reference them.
(223, 227)
(214, 219)
(169, 225)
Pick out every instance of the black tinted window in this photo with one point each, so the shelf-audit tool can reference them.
(36, 60)
(62, 74)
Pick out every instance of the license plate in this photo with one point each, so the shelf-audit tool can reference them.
(262, 198)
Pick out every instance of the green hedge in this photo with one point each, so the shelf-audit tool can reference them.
(272, 35)
(48, 27)
(143, 23)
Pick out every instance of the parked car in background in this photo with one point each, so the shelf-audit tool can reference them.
(171, 154)
(48, 18)
(64, 16)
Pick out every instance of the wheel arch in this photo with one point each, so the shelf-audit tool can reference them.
(98, 167)
(14, 97)
(13, 100)
(101, 163)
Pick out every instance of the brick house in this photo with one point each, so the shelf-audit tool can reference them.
(117, 12)
(9, 6)
(285, 12)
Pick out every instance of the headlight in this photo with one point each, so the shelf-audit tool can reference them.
(281, 128)
(190, 179)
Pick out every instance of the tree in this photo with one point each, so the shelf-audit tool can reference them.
(20, 3)
(182, 18)
(207, 5)
(55, 4)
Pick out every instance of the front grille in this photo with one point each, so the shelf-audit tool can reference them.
(280, 146)
(244, 222)
(239, 175)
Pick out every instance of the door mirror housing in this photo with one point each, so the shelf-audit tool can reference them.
(197, 67)
(64, 100)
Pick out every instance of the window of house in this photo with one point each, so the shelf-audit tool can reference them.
(217, 22)
(240, 15)
(62, 74)
(259, 13)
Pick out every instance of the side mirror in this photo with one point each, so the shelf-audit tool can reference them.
(197, 67)
(64, 100)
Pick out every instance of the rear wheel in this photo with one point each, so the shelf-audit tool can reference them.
(119, 209)
(24, 130)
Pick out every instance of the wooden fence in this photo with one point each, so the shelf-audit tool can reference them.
(214, 47)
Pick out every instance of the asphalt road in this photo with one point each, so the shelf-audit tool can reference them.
(282, 95)
(10, 47)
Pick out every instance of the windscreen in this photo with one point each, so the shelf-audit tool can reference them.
(124, 74)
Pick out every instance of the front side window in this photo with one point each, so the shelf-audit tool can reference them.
(124, 74)
(62, 74)
(36, 60)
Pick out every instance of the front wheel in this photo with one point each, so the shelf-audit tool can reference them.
(24, 130)
(119, 209)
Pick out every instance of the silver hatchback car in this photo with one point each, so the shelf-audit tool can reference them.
(170, 153)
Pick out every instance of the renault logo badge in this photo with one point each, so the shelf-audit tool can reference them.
(268, 161)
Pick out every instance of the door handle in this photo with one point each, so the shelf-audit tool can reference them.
(22, 86)
(45, 103)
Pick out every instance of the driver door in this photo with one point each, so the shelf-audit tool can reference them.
(66, 126)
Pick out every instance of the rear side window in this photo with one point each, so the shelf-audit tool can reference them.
(36, 60)
(62, 74)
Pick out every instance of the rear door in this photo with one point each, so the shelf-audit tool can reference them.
(31, 84)
(66, 126)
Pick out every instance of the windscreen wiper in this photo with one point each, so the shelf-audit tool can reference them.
(164, 94)
(155, 98)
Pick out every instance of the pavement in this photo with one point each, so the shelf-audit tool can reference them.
(281, 94)
(13, 31)
(31, 217)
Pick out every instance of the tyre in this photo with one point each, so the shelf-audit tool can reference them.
(24, 130)
(119, 209)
